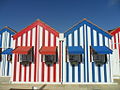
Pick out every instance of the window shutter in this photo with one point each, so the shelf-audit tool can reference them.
(91, 51)
(9, 57)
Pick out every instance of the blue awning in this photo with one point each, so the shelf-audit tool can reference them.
(75, 50)
(102, 49)
(7, 51)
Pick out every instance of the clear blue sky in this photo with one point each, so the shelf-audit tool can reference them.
(59, 14)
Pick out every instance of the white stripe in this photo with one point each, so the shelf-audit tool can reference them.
(75, 38)
(23, 68)
(81, 44)
(95, 44)
(40, 63)
(33, 44)
(70, 40)
(89, 44)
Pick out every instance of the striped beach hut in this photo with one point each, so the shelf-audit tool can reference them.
(115, 46)
(86, 54)
(37, 55)
(6, 46)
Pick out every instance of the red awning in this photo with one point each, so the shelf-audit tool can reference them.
(22, 50)
(48, 50)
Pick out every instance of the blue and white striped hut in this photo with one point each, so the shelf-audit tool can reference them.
(6, 44)
(86, 54)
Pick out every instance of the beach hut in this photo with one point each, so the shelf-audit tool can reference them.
(37, 55)
(115, 57)
(86, 54)
(6, 46)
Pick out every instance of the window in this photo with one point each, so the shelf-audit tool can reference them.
(26, 58)
(50, 59)
(75, 59)
(99, 59)
(9, 58)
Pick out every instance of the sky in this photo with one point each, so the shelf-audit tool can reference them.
(59, 14)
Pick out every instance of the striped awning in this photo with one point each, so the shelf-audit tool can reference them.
(48, 50)
(75, 50)
(22, 49)
(102, 49)
(7, 51)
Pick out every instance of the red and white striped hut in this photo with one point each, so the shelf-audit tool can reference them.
(37, 55)
(115, 57)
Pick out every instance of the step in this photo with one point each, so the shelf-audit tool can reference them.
(4, 80)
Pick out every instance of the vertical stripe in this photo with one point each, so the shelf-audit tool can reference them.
(15, 61)
(79, 69)
(43, 44)
(99, 73)
(48, 78)
(54, 65)
(32, 58)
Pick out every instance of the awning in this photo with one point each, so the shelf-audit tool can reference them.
(75, 50)
(48, 50)
(102, 49)
(22, 49)
(7, 51)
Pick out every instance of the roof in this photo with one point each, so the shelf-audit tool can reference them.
(85, 21)
(6, 28)
(34, 24)
(115, 31)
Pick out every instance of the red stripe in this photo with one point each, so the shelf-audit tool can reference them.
(35, 60)
(15, 62)
(54, 66)
(20, 72)
(49, 42)
(43, 44)
(60, 52)
(25, 65)
(119, 44)
(114, 41)
(30, 62)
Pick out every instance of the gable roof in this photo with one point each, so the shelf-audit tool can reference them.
(34, 24)
(8, 29)
(115, 31)
(89, 23)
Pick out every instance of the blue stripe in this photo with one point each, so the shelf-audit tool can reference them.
(2, 31)
(84, 56)
(8, 69)
(73, 67)
(105, 71)
(67, 72)
(73, 73)
(79, 72)
(67, 65)
(87, 54)
(79, 66)
(99, 73)
(93, 67)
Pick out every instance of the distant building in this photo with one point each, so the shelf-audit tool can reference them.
(6, 47)
(115, 57)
